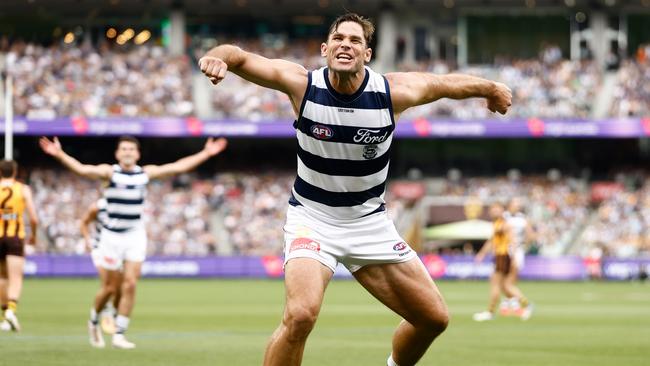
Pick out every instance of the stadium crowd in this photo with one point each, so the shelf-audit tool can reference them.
(62, 80)
(102, 81)
(556, 208)
(242, 214)
(632, 94)
(621, 225)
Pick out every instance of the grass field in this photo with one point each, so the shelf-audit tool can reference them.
(227, 322)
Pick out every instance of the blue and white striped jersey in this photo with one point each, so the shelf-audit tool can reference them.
(343, 147)
(102, 217)
(125, 199)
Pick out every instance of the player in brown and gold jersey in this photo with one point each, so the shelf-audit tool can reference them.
(15, 199)
(501, 246)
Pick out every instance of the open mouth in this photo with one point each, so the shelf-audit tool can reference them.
(344, 57)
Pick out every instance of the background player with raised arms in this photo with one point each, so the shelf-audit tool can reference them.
(123, 239)
(346, 116)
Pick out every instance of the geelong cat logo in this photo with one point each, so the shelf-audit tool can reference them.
(322, 132)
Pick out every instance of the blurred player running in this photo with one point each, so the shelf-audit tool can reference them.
(522, 233)
(500, 245)
(15, 198)
(123, 237)
(346, 116)
(96, 216)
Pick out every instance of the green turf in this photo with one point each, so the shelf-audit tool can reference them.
(190, 322)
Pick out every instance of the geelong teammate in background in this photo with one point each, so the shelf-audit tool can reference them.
(123, 241)
(346, 116)
(96, 216)
(522, 234)
(500, 245)
(15, 198)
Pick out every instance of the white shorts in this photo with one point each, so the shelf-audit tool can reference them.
(115, 248)
(96, 256)
(519, 257)
(354, 243)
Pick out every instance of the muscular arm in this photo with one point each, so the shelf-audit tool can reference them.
(54, 149)
(31, 210)
(410, 89)
(89, 217)
(285, 76)
(212, 148)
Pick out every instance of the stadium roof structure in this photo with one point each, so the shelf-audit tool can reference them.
(274, 8)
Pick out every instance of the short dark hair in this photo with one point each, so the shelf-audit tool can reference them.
(8, 168)
(365, 23)
(128, 139)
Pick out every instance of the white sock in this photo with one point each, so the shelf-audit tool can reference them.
(122, 324)
(93, 316)
(390, 361)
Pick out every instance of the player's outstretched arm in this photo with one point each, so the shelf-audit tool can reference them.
(212, 147)
(285, 76)
(53, 148)
(31, 210)
(485, 249)
(410, 89)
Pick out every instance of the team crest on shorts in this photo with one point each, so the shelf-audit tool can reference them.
(304, 243)
(369, 151)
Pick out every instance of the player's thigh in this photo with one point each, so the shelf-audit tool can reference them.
(15, 266)
(305, 282)
(406, 288)
(131, 271)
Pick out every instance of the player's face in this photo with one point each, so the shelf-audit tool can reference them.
(514, 206)
(496, 211)
(346, 49)
(127, 153)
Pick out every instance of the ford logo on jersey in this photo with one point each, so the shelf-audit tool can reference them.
(399, 246)
(321, 132)
(367, 136)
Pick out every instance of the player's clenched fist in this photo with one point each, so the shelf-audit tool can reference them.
(214, 68)
(500, 99)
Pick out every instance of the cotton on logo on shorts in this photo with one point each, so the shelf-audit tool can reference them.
(304, 243)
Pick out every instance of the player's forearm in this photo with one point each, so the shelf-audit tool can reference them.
(34, 229)
(459, 86)
(233, 56)
(71, 163)
(190, 162)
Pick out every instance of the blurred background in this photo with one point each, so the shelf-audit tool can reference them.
(574, 148)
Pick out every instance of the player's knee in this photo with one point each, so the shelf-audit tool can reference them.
(300, 321)
(128, 286)
(436, 321)
(110, 289)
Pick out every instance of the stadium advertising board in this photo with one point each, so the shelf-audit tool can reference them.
(440, 267)
(183, 127)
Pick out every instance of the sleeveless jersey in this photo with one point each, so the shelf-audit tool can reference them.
(518, 224)
(102, 217)
(12, 209)
(501, 237)
(125, 199)
(343, 147)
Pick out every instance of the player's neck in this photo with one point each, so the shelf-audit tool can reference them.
(7, 181)
(127, 167)
(346, 83)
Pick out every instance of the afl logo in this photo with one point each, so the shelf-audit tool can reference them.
(399, 246)
(322, 132)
